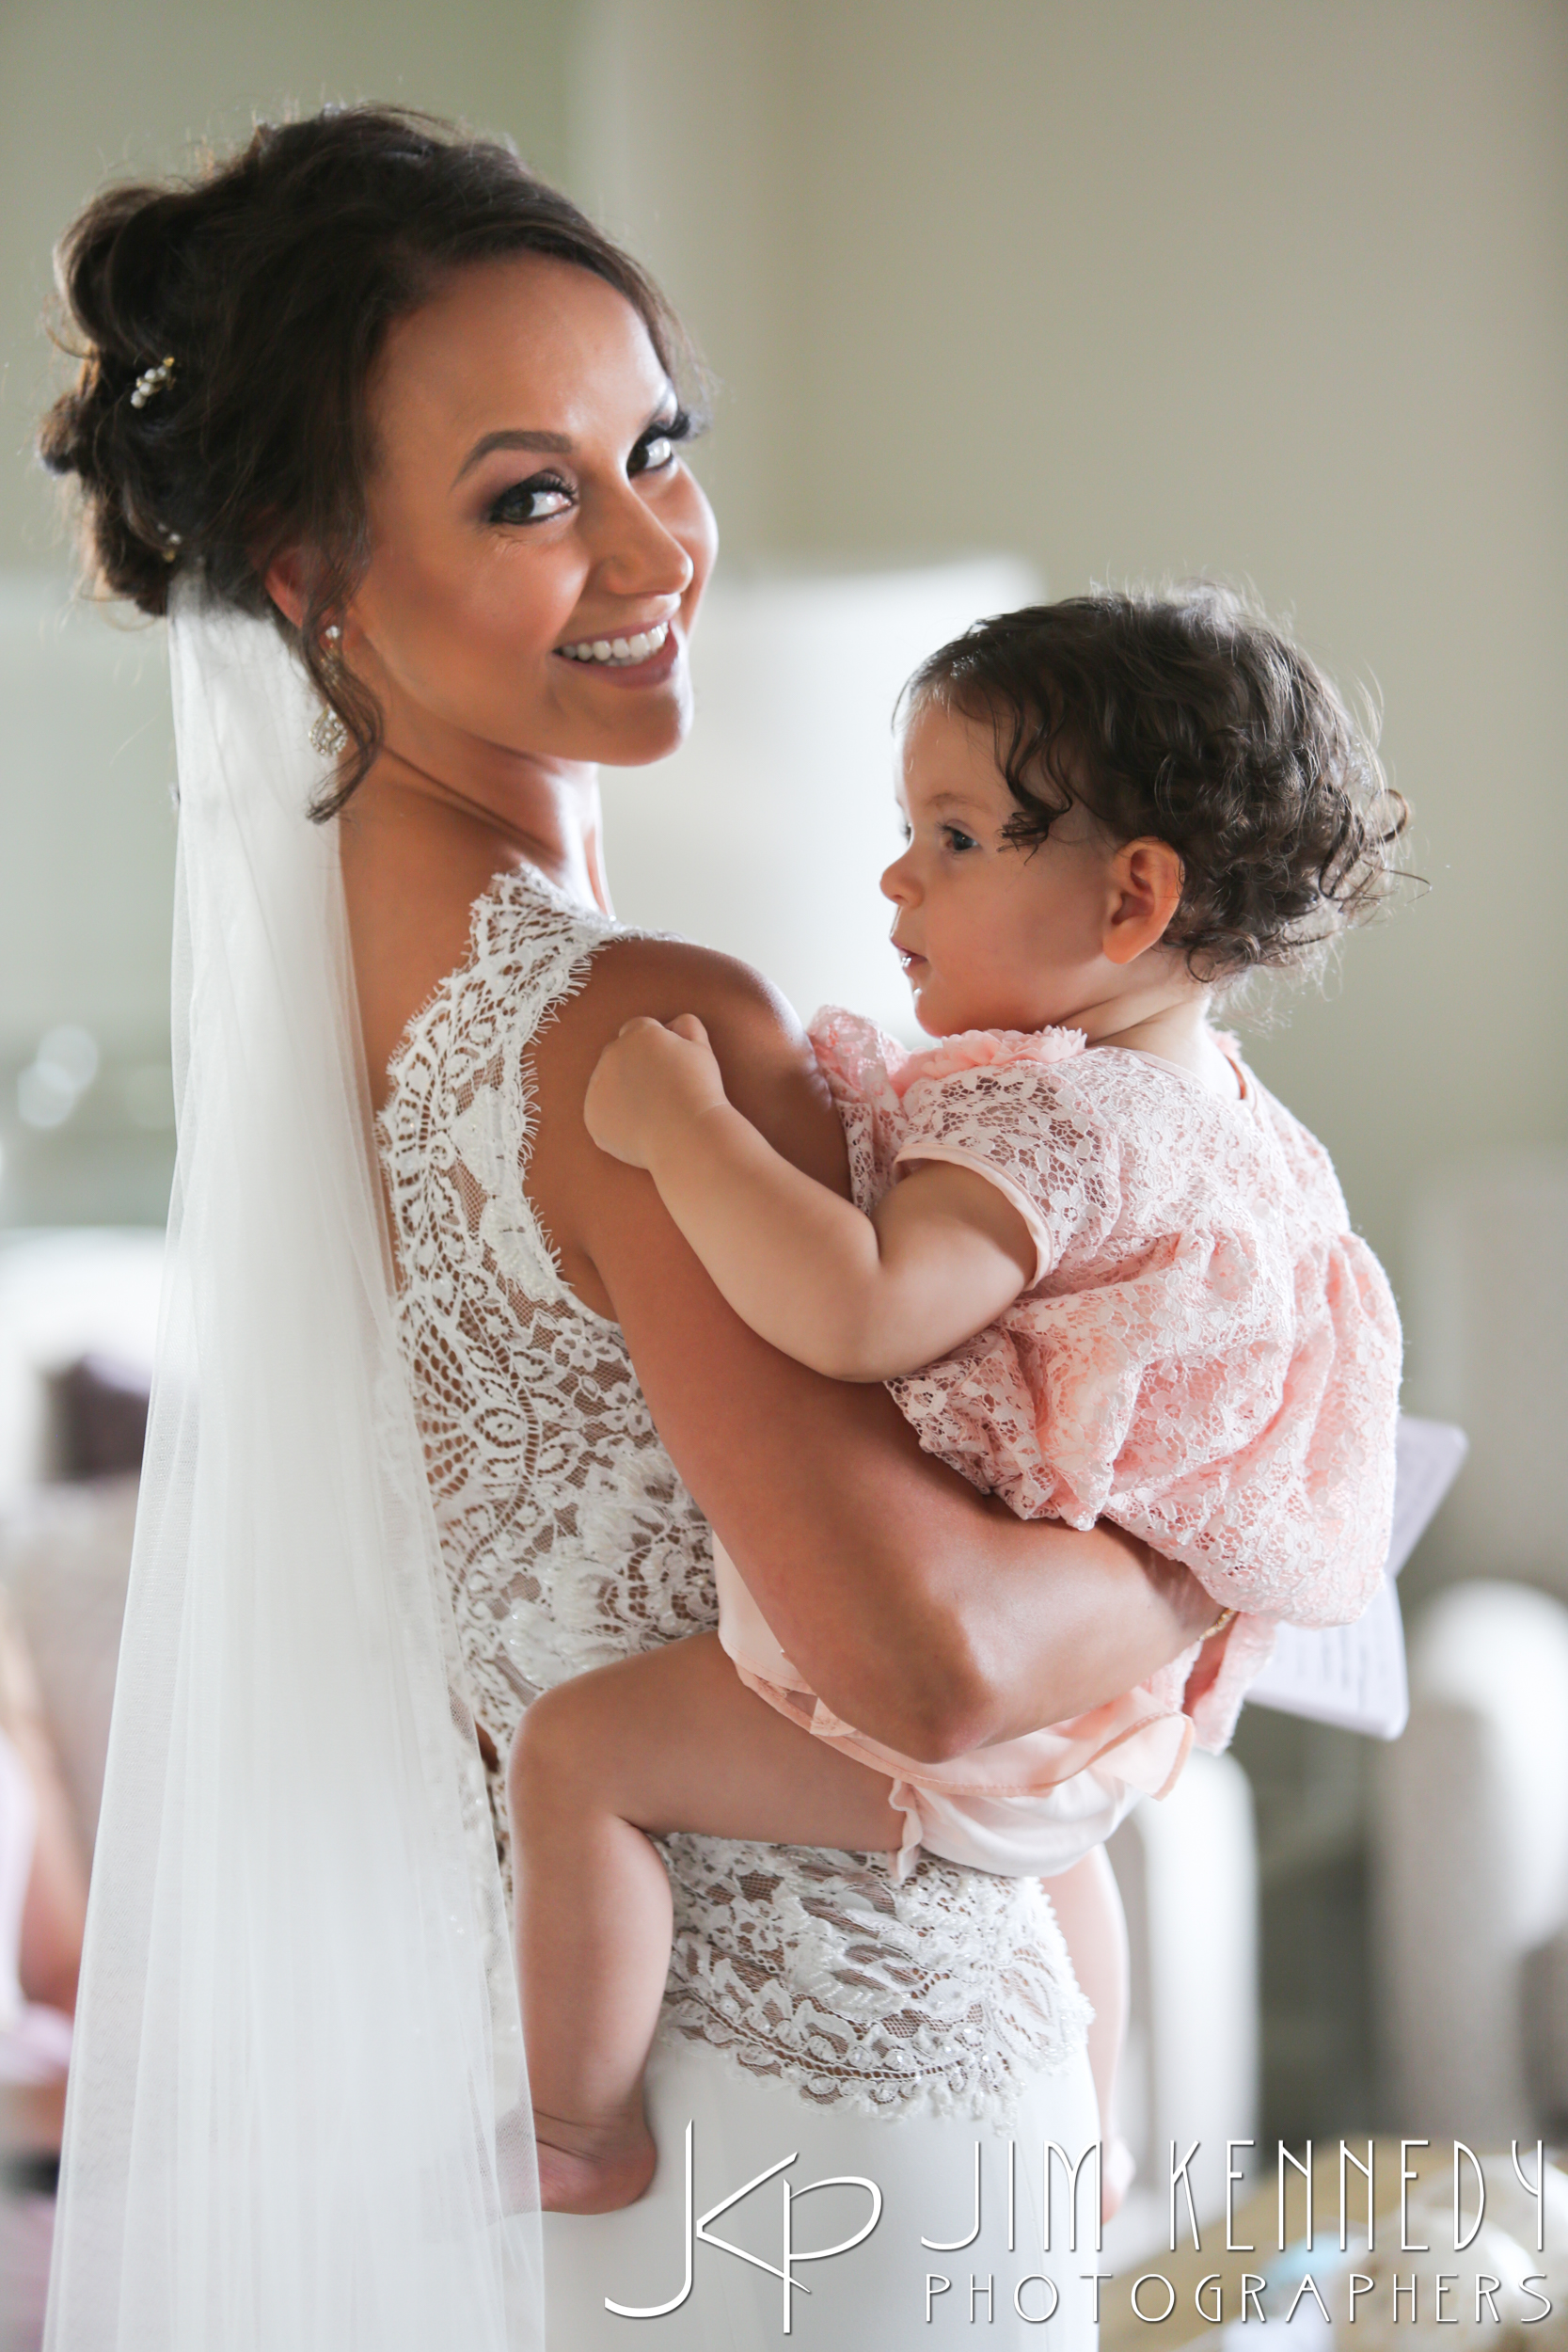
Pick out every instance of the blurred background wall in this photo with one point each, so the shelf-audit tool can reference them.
(1125, 288)
(1274, 289)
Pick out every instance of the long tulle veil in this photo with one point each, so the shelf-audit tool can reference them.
(297, 2117)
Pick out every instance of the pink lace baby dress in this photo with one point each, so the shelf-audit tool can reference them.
(1206, 1354)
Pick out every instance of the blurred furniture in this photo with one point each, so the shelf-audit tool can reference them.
(43, 1881)
(78, 1314)
(1187, 1870)
(65, 1554)
(1471, 1810)
(70, 1297)
(78, 1319)
(1470, 1870)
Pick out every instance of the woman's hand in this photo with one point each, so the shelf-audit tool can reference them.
(653, 1077)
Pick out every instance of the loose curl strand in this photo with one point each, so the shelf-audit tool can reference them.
(271, 279)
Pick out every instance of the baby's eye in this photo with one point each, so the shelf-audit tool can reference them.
(533, 500)
(957, 839)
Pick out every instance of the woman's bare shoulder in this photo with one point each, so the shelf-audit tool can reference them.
(583, 1198)
(770, 1070)
(644, 972)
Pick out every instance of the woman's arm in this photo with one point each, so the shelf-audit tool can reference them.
(921, 1610)
(858, 1297)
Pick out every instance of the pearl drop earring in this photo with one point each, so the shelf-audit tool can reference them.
(330, 737)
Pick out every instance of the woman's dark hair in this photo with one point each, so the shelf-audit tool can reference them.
(270, 281)
(1187, 717)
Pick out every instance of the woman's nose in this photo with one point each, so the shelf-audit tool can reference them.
(639, 557)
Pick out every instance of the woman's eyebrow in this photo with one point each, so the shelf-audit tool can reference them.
(553, 444)
(556, 444)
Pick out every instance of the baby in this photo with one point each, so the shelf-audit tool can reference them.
(1104, 1271)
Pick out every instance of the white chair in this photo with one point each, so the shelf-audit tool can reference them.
(1470, 1870)
(1188, 1873)
(1469, 1832)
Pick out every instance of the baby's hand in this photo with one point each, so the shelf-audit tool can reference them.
(655, 1075)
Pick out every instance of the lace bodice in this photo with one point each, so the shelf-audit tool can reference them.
(1206, 1356)
(571, 1540)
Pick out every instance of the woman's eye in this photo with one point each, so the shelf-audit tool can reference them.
(532, 501)
(656, 449)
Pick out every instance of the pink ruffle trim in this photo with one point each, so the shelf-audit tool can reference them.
(986, 1049)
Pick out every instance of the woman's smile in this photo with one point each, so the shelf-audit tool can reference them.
(501, 605)
(643, 656)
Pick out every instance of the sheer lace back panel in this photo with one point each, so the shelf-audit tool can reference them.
(571, 1540)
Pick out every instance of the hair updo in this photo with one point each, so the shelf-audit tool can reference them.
(1188, 718)
(269, 282)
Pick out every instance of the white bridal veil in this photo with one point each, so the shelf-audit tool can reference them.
(299, 2120)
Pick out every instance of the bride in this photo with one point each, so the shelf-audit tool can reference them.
(369, 407)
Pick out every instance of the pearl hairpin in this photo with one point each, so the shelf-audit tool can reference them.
(152, 380)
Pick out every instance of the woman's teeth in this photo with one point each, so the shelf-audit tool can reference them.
(619, 648)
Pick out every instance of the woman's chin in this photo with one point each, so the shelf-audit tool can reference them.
(648, 732)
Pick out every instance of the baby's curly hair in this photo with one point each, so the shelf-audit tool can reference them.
(1188, 716)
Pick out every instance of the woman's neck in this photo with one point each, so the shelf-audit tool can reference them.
(510, 811)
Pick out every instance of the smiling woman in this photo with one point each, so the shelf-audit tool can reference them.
(408, 421)
(252, 436)
(496, 590)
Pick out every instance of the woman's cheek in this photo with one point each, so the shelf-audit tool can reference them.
(698, 531)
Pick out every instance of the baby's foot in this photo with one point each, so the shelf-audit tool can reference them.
(1117, 2177)
(586, 2167)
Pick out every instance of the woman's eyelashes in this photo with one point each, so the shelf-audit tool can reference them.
(658, 447)
(544, 496)
(536, 500)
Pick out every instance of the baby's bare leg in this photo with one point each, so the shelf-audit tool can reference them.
(1087, 1903)
(669, 1740)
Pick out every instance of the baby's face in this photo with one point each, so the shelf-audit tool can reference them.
(991, 935)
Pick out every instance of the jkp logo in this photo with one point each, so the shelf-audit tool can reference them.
(699, 2233)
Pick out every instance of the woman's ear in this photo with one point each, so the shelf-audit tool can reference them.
(284, 581)
(1146, 891)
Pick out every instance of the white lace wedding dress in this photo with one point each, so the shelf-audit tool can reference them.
(813, 2008)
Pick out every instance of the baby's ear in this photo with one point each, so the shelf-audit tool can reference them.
(1146, 891)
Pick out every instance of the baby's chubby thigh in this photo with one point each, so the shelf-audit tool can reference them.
(673, 1740)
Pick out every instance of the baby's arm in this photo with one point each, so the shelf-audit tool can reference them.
(857, 1298)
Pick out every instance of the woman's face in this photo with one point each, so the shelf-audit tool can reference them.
(527, 505)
